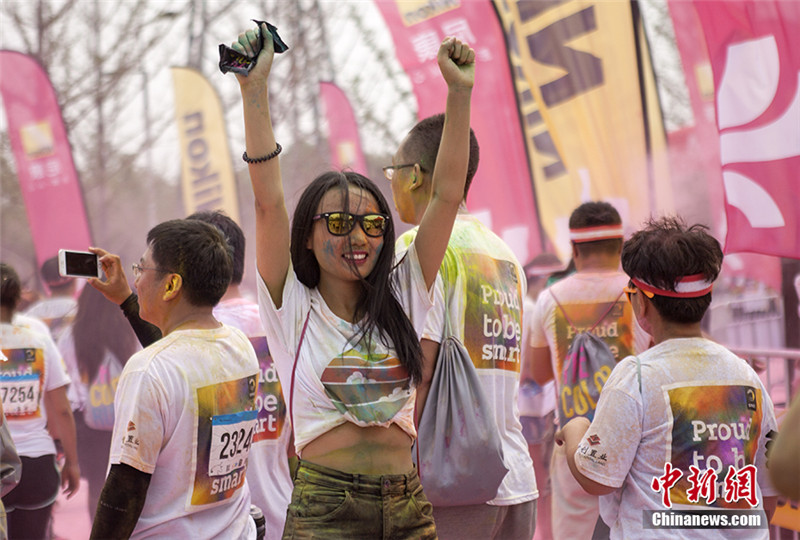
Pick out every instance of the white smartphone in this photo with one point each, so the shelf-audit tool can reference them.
(81, 264)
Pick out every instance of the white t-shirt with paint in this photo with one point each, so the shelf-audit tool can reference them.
(337, 380)
(34, 323)
(586, 296)
(482, 285)
(33, 367)
(267, 467)
(185, 413)
(699, 406)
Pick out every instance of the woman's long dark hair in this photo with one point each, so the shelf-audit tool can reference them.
(378, 306)
(99, 327)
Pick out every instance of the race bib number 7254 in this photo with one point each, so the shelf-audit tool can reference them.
(20, 394)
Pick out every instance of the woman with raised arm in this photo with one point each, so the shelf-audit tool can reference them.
(344, 322)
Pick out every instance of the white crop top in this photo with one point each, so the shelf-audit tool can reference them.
(336, 380)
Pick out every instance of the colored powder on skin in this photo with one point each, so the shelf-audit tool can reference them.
(327, 249)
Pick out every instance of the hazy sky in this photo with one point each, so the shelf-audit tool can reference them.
(352, 54)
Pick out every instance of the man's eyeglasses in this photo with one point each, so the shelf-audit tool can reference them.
(341, 223)
(138, 269)
(389, 170)
(630, 289)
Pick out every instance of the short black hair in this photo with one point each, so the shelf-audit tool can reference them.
(422, 145)
(596, 214)
(10, 287)
(233, 234)
(666, 250)
(198, 252)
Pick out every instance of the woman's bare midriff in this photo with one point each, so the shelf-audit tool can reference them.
(362, 450)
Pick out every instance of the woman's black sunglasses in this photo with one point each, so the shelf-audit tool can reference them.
(341, 223)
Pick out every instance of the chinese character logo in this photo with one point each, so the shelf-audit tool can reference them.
(665, 482)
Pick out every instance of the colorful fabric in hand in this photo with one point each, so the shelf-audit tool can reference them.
(231, 60)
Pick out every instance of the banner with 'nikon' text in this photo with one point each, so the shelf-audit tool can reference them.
(206, 170)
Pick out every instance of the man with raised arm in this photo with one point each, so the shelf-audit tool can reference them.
(480, 287)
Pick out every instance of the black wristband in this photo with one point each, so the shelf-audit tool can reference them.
(262, 159)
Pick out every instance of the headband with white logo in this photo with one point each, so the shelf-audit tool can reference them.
(687, 287)
(593, 234)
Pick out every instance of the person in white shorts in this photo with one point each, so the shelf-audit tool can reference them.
(537, 404)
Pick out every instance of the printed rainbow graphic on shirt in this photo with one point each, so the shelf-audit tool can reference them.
(492, 313)
(370, 387)
(713, 427)
(22, 383)
(269, 400)
(226, 420)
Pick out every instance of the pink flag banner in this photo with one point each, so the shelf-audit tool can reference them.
(694, 147)
(343, 139)
(501, 194)
(46, 172)
(754, 49)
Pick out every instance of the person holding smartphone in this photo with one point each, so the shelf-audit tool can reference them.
(268, 463)
(184, 412)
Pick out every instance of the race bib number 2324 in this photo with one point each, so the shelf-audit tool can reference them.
(231, 438)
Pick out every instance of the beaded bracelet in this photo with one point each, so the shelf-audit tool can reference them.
(262, 159)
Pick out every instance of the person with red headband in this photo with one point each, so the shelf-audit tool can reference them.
(682, 426)
(590, 299)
